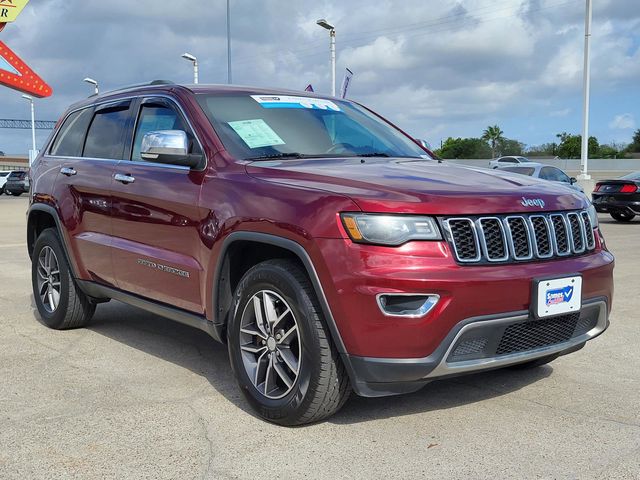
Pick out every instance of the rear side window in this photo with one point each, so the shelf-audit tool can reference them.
(106, 133)
(521, 170)
(70, 139)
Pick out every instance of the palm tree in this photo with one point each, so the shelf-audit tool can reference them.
(493, 135)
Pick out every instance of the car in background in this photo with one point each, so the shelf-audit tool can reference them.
(17, 183)
(620, 198)
(507, 160)
(545, 172)
(3, 180)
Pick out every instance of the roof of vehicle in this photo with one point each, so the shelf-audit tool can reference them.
(511, 156)
(166, 86)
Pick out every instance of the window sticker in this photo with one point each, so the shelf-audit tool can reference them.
(284, 101)
(256, 133)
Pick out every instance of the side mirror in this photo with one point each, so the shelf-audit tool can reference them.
(573, 180)
(168, 146)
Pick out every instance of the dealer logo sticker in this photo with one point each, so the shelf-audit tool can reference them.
(559, 295)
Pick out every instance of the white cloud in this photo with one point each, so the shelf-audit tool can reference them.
(560, 113)
(624, 121)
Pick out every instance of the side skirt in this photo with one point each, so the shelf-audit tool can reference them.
(100, 292)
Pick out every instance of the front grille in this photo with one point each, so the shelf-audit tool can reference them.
(540, 333)
(517, 238)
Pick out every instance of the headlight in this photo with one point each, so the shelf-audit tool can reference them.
(389, 229)
(593, 216)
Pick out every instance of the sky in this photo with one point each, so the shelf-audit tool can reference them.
(434, 68)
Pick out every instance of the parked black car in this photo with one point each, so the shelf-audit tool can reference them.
(17, 183)
(620, 198)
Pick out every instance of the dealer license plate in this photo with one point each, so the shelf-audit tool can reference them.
(558, 296)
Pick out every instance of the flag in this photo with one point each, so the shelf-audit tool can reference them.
(309, 88)
(345, 83)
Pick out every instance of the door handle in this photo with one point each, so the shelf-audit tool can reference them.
(126, 179)
(69, 172)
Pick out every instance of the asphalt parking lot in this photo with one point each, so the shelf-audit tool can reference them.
(137, 396)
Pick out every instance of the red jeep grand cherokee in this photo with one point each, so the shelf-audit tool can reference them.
(322, 244)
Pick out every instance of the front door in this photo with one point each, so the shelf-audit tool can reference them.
(156, 235)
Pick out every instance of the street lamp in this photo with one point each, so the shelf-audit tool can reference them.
(93, 82)
(32, 153)
(586, 86)
(332, 45)
(194, 60)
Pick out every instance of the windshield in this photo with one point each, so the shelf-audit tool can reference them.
(631, 176)
(255, 127)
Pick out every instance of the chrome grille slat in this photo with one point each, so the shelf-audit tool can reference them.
(519, 238)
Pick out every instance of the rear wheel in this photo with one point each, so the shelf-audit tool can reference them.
(60, 303)
(280, 349)
(622, 216)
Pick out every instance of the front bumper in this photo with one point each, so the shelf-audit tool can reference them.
(17, 187)
(482, 343)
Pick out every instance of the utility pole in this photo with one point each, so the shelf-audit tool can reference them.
(33, 153)
(332, 45)
(228, 43)
(584, 153)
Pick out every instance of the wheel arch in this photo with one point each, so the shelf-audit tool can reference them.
(234, 260)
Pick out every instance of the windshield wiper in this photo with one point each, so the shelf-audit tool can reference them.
(271, 156)
(373, 154)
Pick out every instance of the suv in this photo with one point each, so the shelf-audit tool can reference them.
(17, 183)
(3, 180)
(324, 246)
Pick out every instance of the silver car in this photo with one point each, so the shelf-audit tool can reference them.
(508, 161)
(545, 172)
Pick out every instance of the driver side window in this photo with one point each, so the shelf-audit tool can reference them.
(159, 117)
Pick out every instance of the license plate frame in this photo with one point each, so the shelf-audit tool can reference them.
(556, 296)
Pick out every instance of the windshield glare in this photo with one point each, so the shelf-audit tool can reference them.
(254, 127)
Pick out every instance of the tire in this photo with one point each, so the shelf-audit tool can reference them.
(73, 308)
(320, 386)
(538, 362)
(622, 216)
(16, 194)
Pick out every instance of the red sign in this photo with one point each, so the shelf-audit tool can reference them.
(14, 73)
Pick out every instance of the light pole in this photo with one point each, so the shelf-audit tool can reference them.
(332, 45)
(93, 82)
(32, 152)
(228, 43)
(194, 60)
(584, 151)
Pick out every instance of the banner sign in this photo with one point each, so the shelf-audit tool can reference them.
(345, 83)
(10, 9)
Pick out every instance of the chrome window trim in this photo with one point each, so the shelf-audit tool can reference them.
(483, 239)
(566, 231)
(535, 242)
(135, 162)
(432, 300)
(570, 215)
(510, 237)
(478, 257)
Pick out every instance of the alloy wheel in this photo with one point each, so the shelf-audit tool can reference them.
(48, 279)
(270, 344)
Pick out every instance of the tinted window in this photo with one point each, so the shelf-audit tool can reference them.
(553, 174)
(4, 174)
(16, 176)
(507, 160)
(521, 170)
(106, 133)
(156, 117)
(631, 176)
(71, 135)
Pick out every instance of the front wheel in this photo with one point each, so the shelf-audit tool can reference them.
(60, 303)
(280, 349)
(622, 216)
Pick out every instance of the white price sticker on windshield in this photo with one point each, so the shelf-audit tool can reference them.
(256, 133)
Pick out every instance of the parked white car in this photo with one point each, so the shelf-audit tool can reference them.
(3, 180)
(508, 160)
(544, 172)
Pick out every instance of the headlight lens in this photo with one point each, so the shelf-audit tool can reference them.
(593, 216)
(389, 229)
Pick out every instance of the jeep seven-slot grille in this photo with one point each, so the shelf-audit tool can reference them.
(516, 238)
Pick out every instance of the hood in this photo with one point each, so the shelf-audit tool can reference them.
(421, 186)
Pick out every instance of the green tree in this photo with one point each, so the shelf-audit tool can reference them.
(544, 150)
(507, 146)
(571, 146)
(464, 148)
(634, 146)
(494, 136)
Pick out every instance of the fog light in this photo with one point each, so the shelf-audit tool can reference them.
(411, 305)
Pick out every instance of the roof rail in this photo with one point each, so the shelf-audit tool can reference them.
(137, 85)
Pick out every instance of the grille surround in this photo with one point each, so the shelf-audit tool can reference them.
(525, 237)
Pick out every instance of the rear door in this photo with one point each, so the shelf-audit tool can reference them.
(156, 217)
(86, 154)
